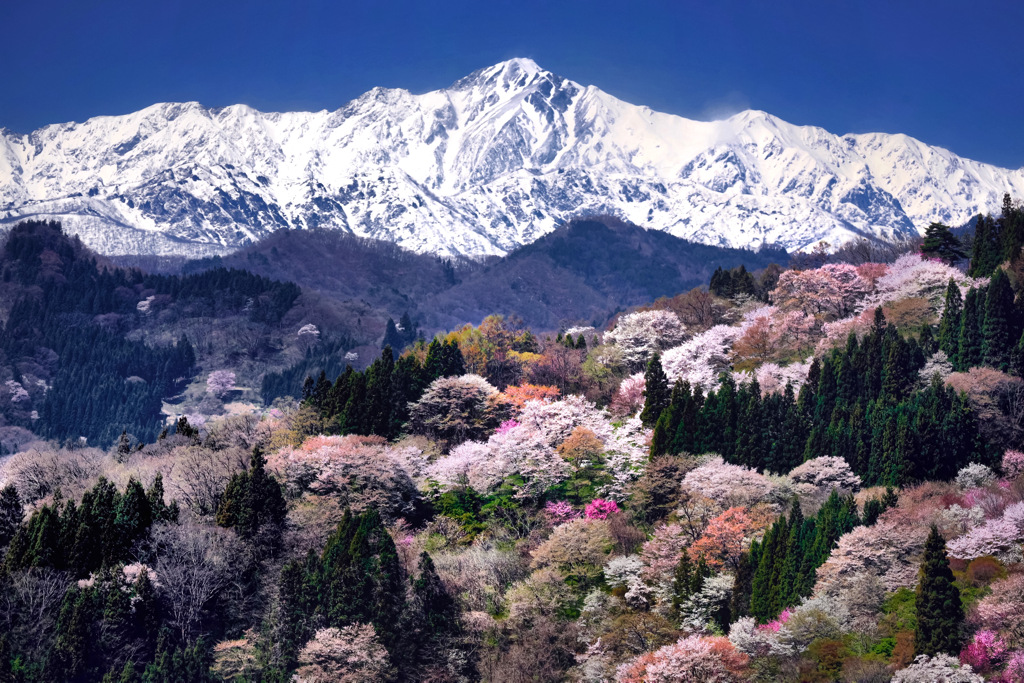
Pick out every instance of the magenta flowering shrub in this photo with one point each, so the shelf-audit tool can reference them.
(776, 624)
(559, 512)
(506, 427)
(985, 652)
(1014, 671)
(600, 508)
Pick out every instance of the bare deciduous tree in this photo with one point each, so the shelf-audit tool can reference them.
(195, 563)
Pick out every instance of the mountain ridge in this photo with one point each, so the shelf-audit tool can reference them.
(494, 161)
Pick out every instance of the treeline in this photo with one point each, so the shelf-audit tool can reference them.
(859, 402)
(98, 533)
(984, 328)
(780, 569)
(997, 240)
(376, 401)
(739, 281)
(358, 579)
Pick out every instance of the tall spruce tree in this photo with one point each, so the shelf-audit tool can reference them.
(999, 321)
(940, 614)
(252, 500)
(11, 514)
(986, 250)
(949, 326)
(971, 339)
(657, 394)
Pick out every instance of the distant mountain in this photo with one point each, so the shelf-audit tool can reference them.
(487, 165)
(583, 272)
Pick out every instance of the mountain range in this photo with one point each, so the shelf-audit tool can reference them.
(483, 167)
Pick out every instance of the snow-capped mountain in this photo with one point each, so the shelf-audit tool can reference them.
(496, 160)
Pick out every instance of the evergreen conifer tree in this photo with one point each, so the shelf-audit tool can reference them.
(999, 323)
(970, 342)
(949, 326)
(11, 514)
(939, 242)
(657, 394)
(392, 337)
(251, 500)
(940, 614)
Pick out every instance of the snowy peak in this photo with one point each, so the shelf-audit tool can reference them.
(488, 164)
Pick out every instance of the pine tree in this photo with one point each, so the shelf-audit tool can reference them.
(11, 514)
(999, 313)
(439, 610)
(378, 395)
(409, 332)
(668, 422)
(1017, 358)
(949, 326)
(970, 349)
(360, 576)
(939, 242)
(392, 337)
(986, 250)
(657, 394)
(789, 590)
(739, 604)
(252, 499)
(124, 446)
(940, 614)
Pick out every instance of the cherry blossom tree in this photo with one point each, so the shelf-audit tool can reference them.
(518, 450)
(1003, 608)
(362, 472)
(773, 378)
(625, 457)
(557, 420)
(693, 658)
(911, 276)
(998, 537)
(703, 358)
(578, 548)
(724, 539)
(728, 484)
(626, 571)
(629, 397)
(351, 654)
(815, 479)
(760, 640)
(308, 336)
(834, 289)
(600, 508)
(941, 667)
(662, 553)
(560, 511)
(697, 613)
(220, 382)
(975, 475)
(640, 334)
(890, 551)
(1013, 464)
(985, 652)
(771, 335)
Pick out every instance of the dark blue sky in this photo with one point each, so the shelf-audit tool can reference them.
(949, 73)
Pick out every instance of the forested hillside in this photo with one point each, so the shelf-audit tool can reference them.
(581, 273)
(798, 474)
(77, 361)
